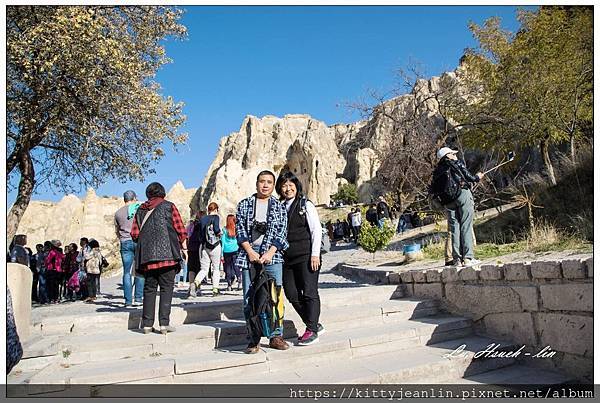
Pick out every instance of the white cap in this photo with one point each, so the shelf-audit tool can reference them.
(442, 152)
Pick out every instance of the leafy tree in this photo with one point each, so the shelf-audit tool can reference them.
(373, 238)
(346, 193)
(82, 102)
(536, 87)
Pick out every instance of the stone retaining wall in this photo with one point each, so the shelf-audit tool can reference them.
(538, 304)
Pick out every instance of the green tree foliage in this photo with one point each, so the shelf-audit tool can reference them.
(346, 193)
(373, 238)
(82, 101)
(535, 87)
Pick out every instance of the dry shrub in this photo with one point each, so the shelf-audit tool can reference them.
(542, 234)
(583, 225)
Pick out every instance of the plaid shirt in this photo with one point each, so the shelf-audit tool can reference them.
(181, 234)
(276, 234)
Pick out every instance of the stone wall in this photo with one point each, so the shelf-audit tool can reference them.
(537, 304)
(18, 280)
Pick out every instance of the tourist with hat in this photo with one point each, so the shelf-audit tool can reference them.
(452, 182)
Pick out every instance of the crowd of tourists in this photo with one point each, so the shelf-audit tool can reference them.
(60, 275)
(272, 246)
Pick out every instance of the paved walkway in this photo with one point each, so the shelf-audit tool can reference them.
(111, 298)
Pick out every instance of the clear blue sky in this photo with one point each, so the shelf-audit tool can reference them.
(281, 60)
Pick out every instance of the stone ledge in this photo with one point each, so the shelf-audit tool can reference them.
(517, 271)
(491, 272)
(469, 274)
(434, 275)
(545, 269)
(573, 268)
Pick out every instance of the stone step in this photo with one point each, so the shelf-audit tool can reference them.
(517, 374)
(333, 346)
(204, 336)
(393, 366)
(192, 312)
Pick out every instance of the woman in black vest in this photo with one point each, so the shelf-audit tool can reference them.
(302, 259)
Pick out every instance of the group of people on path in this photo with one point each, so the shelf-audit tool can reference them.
(277, 236)
(61, 275)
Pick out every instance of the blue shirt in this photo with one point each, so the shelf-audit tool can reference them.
(230, 245)
(276, 234)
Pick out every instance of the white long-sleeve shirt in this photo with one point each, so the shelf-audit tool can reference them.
(314, 224)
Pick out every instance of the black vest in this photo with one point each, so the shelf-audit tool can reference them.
(298, 234)
(158, 240)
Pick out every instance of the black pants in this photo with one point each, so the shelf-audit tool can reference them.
(53, 283)
(34, 286)
(301, 287)
(193, 264)
(91, 284)
(232, 272)
(165, 278)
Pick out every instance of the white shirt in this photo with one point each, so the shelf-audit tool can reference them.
(356, 219)
(314, 224)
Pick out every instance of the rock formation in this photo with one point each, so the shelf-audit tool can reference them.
(322, 156)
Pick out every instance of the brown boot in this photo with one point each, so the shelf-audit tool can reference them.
(278, 343)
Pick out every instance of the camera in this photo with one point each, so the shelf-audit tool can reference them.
(260, 227)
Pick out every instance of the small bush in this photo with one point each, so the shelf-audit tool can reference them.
(372, 238)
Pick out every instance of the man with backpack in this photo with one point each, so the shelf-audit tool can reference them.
(261, 228)
(451, 187)
(210, 249)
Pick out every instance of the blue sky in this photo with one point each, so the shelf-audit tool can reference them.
(281, 60)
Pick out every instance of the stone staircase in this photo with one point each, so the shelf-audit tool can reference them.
(373, 335)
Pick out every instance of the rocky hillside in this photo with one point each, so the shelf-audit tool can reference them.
(322, 156)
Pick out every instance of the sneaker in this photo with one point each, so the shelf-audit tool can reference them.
(167, 329)
(320, 328)
(192, 292)
(147, 330)
(138, 303)
(308, 338)
(457, 263)
(278, 343)
(472, 262)
(215, 292)
(252, 349)
(449, 263)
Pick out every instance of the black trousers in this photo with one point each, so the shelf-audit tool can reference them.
(193, 264)
(232, 272)
(34, 286)
(301, 287)
(165, 278)
(53, 283)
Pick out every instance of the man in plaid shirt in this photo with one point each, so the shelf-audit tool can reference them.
(261, 227)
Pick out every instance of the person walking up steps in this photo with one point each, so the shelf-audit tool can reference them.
(193, 264)
(302, 260)
(161, 237)
(261, 226)
(230, 250)
(210, 248)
